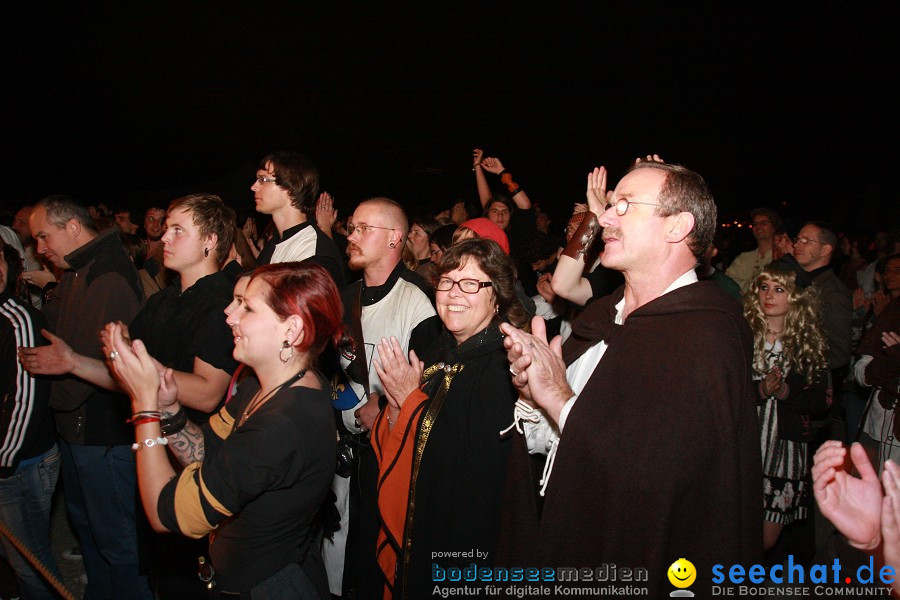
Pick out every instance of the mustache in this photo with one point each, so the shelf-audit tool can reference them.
(611, 232)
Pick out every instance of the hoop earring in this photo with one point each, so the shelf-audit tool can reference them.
(206, 252)
(285, 346)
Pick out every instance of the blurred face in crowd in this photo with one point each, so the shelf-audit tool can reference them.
(436, 252)
(53, 242)
(773, 298)
(123, 221)
(892, 277)
(370, 234)
(154, 223)
(762, 228)
(418, 242)
(809, 250)
(20, 224)
(635, 240)
(464, 314)
(782, 245)
(183, 246)
(4, 271)
(269, 196)
(499, 214)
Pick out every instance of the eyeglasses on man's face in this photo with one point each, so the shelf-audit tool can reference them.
(805, 240)
(468, 286)
(363, 228)
(262, 180)
(621, 205)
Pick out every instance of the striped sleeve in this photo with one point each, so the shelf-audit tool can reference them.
(18, 386)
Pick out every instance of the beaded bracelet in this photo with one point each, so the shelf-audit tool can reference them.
(149, 443)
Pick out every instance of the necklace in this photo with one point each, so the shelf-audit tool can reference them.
(775, 333)
(259, 401)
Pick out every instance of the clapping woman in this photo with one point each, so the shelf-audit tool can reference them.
(259, 471)
(790, 366)
(441, 459)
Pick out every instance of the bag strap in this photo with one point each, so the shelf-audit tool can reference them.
(359, 368)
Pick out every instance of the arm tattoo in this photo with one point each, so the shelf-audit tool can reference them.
(187, 444)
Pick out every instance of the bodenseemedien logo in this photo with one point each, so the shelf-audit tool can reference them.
(682, 574)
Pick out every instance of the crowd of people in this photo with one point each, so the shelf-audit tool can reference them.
(328, 407)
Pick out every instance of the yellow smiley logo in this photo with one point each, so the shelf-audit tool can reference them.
(682, 573)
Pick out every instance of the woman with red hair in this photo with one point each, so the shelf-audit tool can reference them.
(258, 472)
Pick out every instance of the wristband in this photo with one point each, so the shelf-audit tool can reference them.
(174, 424)
(143, 420)
(507, 179)
(583, 237)
(144, 414)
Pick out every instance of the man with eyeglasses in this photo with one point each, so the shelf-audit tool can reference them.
(654, 452)
(286, 187)
(389, 301)
(814, 248)
(746, 265)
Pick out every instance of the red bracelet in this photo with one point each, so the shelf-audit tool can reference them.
(143, 420)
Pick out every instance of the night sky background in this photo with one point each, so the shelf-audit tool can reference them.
(789, 108)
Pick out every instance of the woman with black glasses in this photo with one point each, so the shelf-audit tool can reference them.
(441, 459)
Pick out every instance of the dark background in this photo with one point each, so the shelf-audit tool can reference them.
(788, 108)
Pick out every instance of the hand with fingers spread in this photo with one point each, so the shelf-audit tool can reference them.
(57, 358)
(326, 214)
(399, 376)
(852, 504)
(597, 195)
(538, 369)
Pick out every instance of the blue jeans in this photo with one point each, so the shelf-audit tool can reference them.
(25, 501)
(100, 484)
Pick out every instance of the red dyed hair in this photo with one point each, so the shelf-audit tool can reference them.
(307, 290)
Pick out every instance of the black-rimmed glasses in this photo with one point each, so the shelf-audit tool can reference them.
(468, 286)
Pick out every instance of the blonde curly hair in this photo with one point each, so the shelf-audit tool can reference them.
(803, 343)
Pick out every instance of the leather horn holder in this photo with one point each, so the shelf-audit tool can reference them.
(583, 237)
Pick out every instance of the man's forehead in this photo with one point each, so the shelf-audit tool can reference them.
(269, 168)
(640, 182)
(809, 230)
(156, 212)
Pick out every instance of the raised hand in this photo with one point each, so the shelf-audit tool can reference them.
(852, 504)
(458, 213)
(326, 214)
(859, 299)
(597, 196)
(492, 165)
(477, 155)
(56, 359)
